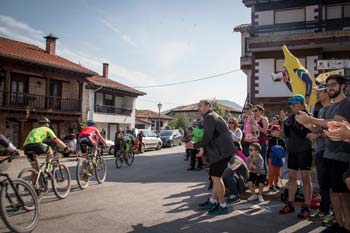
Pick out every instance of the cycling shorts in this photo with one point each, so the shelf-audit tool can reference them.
(33, 149)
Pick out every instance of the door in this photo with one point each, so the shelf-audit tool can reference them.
(55, 94)
(18, 90)
(112, 129)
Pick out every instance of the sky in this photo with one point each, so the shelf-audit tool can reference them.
(148, 42)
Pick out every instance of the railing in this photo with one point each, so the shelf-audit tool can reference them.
(38, 102)
(306, 26)
(113, 110)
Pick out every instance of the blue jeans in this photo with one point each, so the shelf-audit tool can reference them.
(323, 181)
(230, 182)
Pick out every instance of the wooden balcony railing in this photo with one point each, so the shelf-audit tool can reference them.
(113, 110)
(38, 102)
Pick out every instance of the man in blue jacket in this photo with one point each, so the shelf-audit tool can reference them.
(218, 145)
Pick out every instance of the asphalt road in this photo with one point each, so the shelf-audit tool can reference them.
(155, 194)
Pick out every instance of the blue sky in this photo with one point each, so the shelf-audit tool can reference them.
(145, 42)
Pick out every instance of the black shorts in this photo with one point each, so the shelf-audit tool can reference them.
(257, 179)
(300, 160)
(217, 169)
(84, 143)
(33, 149)
(335, 173)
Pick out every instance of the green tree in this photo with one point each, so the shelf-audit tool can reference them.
(218, 108)
(181, 120)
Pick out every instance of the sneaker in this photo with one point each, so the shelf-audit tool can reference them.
(329, 220)
(218, 210)
(260, 198)
(288, 208)
(304, 213)
(253, 197)
(332, 228)
(272, 188)
(277, 187)
(207, 205)
(233, 200)
(318, 216)
(190, 169)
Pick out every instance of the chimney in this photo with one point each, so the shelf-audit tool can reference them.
(51, 44)
(105, 70)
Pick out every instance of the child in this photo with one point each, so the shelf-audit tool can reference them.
(275, 155)
(197, 135)
(257, 173)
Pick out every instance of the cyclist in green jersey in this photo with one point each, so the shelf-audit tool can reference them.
(34, 143)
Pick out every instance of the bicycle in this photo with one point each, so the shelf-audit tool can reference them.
(127, 155)
(86, 167)
(19, 204)
(59, 176)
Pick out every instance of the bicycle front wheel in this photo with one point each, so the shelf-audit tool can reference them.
(19, 212)
(100, 170)
(119, 160)
(131, 157)
(82, 172)
(61, 181)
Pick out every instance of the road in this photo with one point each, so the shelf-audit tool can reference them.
(155, 194)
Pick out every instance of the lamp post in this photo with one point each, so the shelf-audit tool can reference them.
(159, 107)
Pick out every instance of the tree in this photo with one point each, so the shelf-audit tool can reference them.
(218, 108)
(181, 120)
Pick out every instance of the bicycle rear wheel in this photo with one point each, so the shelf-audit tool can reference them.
(100, 169)
(61, 181)
(82, 172)
(131, 157)
(30, 176)
(119, 160)
(19, 214)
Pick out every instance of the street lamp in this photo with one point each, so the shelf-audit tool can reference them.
(159, 107)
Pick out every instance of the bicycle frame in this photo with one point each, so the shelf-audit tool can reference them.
(4, 183)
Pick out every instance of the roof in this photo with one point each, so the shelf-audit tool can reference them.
(32, 53)
(148, 114)
(109, 83)
(144, 121)
(194, 108)
(242, 28)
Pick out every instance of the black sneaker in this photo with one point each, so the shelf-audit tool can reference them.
(219, 211)
(190, 169)
(208, 205)
(233, 200)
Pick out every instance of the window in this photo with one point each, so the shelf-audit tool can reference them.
(334, 12)
(247, 52)
(55, 88)
(161, 123)
(347, 11)
(280, 62)
(108, 100)
(290, 16)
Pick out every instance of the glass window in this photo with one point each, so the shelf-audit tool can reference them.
(334, 12)
(290, 16)
(108, 100)
(347, 11)
(247, 48)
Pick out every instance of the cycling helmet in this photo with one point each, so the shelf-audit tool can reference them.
(44, 120)
(90, 122)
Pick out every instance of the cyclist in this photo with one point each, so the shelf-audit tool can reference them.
(90, 136)
(129, 140)
(34, 143)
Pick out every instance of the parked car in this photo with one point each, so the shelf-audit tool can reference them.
(109, 149)
(171, 138)
(150, 140)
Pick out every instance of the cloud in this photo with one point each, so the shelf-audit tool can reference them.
(124, 37)
(14, 29)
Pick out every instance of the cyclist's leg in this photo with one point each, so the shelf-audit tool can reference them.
(49, 156)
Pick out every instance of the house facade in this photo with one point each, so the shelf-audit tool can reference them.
(147, 119)
(36, 83)
(109, 103)
(315, 31)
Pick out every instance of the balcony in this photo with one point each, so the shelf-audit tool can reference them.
(113, 110)
(12, 100)
(246, 62)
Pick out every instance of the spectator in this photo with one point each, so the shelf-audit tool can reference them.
(337, 152)
(263, 125)
(187, 138)
(249, 128)
(235, 177)
(257, 172)
(275, 154)
(236, 132)
(275, 121)
(219, 148)
(324, 212)
(140, 136)
(299, 157)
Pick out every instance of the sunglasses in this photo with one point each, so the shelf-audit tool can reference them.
(255, 110)
(231, 123)
(251, 150)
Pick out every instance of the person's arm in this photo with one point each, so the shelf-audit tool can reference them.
(265, 127)
(101, 138)
(209, 130)
(289, 86)
(259, 164)
(237, 135)
(53, 136)
(306, 78)
(7, 144)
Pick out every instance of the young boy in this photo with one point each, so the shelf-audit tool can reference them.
(275, 153)
(257, 173)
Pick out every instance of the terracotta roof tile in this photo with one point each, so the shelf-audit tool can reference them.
(148, 114)
(107, 82)
(32, 53)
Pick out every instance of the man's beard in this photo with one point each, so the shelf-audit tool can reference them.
(335, 94)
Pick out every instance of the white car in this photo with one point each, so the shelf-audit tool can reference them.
(150, 140)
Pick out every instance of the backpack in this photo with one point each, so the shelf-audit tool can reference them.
(277, 155)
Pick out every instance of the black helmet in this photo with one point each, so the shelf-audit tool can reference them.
(44, 120)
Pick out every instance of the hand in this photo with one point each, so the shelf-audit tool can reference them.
(190, 145)
(307, 100)
(338, 131)
(311, 136)
(347, 182)
(303, 118)
(200, 152)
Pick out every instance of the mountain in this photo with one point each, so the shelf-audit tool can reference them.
(230, 104)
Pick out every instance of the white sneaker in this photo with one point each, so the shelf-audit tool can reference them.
(260, 198)
(253, 197)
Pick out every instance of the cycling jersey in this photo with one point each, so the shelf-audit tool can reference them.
(90, 132)
(38, 135)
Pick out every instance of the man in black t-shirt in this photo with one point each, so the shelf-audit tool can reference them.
(337, 153)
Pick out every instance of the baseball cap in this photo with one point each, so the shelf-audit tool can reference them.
(296, 99)
(276, 128)
(321, 87)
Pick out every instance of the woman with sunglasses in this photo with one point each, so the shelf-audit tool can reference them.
(249, 128)
(237, 135)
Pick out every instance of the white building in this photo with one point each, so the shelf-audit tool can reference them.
(109, 103)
